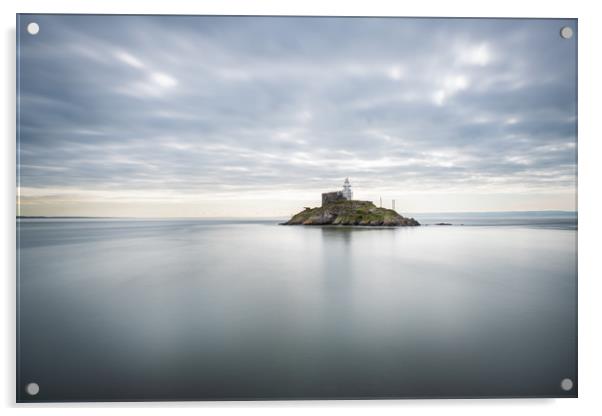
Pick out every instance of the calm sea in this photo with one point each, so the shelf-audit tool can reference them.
(198, 309)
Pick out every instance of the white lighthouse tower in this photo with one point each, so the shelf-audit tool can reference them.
(347, 192)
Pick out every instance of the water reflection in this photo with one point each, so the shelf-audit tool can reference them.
(190, 310)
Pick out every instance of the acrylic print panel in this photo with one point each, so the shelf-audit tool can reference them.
(214, 207)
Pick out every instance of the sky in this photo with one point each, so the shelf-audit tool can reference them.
(191, 116)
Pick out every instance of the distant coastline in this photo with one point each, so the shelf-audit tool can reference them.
(35, 217)
(501, 213)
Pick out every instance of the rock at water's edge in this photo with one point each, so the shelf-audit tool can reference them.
(363, 213)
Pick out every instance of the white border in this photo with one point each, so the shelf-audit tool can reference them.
(590, 209)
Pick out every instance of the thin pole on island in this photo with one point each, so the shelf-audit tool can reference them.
(393, 205)
(381, 201)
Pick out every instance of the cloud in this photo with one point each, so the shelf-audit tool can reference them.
(162, 80)
(180, 107)
(476, 55)
(129, 59)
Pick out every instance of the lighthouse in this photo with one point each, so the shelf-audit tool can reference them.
(347, 192)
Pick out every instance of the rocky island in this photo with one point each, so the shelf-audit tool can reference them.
(338, 208)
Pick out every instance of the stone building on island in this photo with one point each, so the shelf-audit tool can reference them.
(339, 208)
(345, 194)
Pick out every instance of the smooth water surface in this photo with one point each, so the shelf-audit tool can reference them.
(192, 309)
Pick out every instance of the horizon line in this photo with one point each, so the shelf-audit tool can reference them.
(279, 217)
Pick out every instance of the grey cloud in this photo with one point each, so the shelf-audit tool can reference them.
(223, 103)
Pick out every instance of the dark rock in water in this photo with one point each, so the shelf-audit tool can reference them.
(345, 212)
(443, 223)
